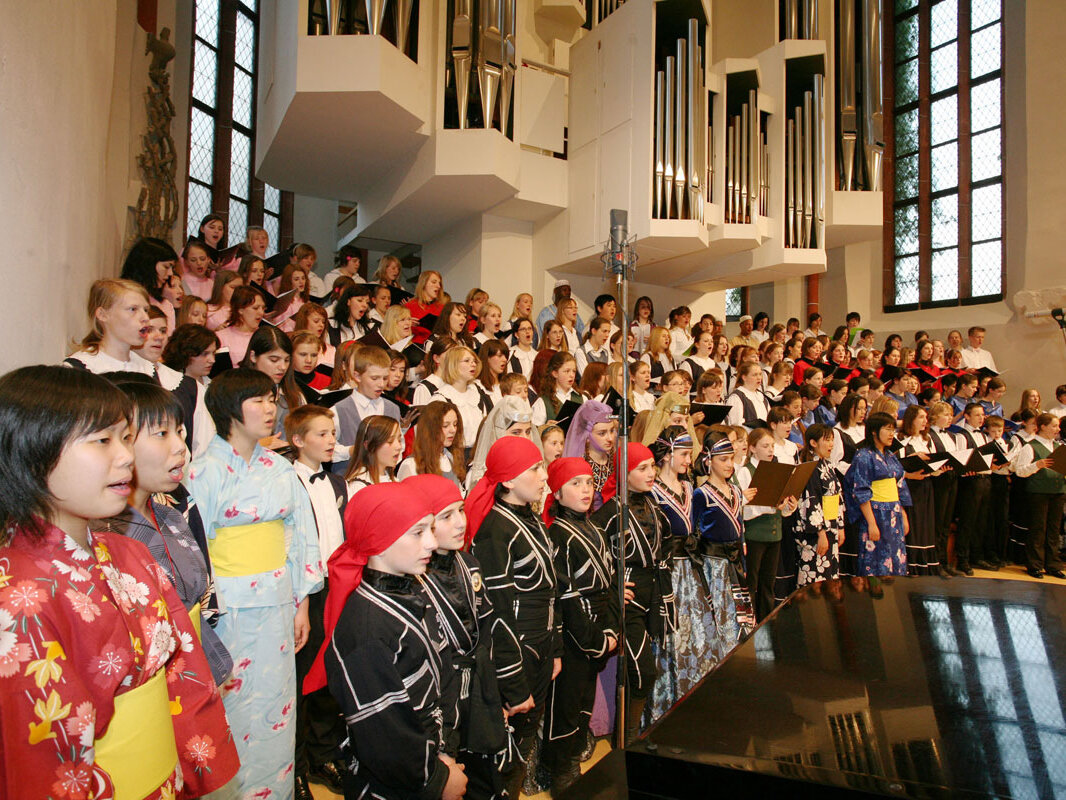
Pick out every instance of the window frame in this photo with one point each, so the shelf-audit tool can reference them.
(224, 125)
(965, 185)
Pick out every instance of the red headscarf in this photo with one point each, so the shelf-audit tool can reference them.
(560, 471)
(382, 513)
(636, 454)
(508, 458)
(436, 490)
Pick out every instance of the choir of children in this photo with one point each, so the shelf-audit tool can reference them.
(471, 605)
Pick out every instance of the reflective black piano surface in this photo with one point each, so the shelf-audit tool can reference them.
(912, 687)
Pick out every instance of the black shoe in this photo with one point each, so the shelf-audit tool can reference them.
(590, 747)
(1035, 573)
(964, 569)
(329, 775)
(946, 570)
(1056, 573)
(303, 790)
(982, 564)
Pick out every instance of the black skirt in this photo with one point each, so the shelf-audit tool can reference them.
(922, 557)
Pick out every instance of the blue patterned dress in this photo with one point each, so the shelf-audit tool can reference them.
(720, 524)
(690, 650)
(888, 555)
(257, 623)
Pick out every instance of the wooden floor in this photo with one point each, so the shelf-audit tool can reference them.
(603, 747)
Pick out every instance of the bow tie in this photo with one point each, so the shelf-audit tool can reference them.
(318, 475)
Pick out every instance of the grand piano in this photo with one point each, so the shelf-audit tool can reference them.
(907, 687)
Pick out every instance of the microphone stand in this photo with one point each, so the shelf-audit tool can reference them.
(619, 259)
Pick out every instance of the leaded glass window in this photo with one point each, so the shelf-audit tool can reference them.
(944, 236)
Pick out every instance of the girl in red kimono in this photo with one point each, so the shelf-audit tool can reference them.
(107, 692)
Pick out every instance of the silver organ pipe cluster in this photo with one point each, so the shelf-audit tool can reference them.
(799, 19)
(747, 156)
(805, 169)
(682, 133)
(337, 17)
(860, 81)
(482, 35)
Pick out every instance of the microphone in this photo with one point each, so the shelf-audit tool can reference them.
(1045, 312)
(619, 235)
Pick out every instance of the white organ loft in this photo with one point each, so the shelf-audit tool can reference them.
(732, 169)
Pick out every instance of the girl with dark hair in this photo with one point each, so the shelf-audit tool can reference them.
(689, 651)
(553, 337)
(556, 388)
(452, 324)
(270, 352)
(810, 354)
(159, 464)
(431, 368)
(438, 445)
(212, 232)
(96, 637)
(396, 388)
(643, 322)
(218, 307)
(349, 313)
(493, 355)
(150, 263)
(819, 522)
(759, 327)
(874, 496)
(264, 547)
(718, 521)
(191, 351)
(293, 279)
(522, 353)
(378, 449)
(197, 270)
(246, 312)
(922, 556)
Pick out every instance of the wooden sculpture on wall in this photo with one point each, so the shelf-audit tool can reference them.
(157, 204)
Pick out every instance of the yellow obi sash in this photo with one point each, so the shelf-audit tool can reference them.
(248, 549)
(138, 751)
(194, 618)
(885, 490)
(830, 506)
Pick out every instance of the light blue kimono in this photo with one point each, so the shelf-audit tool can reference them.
(888, 555)
(257, 626)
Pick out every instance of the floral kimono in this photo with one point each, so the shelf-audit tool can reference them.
(820, 508)
(88, 640)
(877, 478)
(264, 548)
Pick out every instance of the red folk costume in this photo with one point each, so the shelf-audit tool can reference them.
(91, 644)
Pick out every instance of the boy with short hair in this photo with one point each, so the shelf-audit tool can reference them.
(368, 368)
(973, 497)
(999, 495)
(311, 432)
(1060, 395)
(1046, 491)
(606, 308)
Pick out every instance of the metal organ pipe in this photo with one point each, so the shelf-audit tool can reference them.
(657, 204)
(849, 118)
(872, 99)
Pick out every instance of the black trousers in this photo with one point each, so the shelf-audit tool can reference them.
(538, 659)
(569, 710)
(972, 506)
(945, 490)
(640, 613)
(998, 517)
(319, 723)
(762, 571)
(1045, 530)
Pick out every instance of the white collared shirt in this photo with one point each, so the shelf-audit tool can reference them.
(324, 505)
(977, 358)
(1024, 465)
